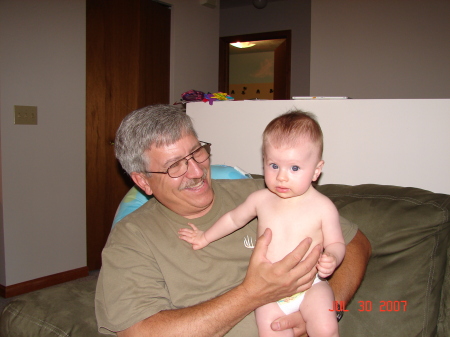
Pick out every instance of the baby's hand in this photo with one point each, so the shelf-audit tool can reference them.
(326, 265)
(194, 236)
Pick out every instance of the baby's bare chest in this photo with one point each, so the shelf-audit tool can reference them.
(289, 226)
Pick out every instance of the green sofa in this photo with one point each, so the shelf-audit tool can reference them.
(406, 290)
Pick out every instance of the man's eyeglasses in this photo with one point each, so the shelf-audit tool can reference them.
(180, 167)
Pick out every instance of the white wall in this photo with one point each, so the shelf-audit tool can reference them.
(251, 68)
(42, 45)
(392, 142)
(380, 49)
(42, 64)
(194, 48)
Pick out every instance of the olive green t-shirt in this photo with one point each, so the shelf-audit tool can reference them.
(146, 268)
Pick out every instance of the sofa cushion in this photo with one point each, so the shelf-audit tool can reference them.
(63, 310)
(409, 232)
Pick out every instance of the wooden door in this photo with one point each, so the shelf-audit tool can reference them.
(127, 67)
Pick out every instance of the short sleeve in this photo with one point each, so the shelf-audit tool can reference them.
(349, 229)
(130, 287)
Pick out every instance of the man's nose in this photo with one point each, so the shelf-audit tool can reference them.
(193, 170)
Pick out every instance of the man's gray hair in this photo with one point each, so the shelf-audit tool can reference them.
(157, 125)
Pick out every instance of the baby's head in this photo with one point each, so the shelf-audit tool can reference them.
(292, 128)
(292, 151)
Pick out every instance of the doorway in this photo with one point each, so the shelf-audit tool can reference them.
(280, 43)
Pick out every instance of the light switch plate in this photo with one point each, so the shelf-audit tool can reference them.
(25, 114)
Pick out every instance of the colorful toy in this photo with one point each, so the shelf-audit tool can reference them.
(200, 96)
(218, 96)
(192, 96)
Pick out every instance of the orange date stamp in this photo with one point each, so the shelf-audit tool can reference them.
(367, 306)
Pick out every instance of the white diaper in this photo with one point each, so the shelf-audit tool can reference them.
(292, 303)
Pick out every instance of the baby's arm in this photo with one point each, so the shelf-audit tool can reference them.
(228, 223)
(333, 241)
(194, 236)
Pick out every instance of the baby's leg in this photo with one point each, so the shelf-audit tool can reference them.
(320, 321)
(265, 315)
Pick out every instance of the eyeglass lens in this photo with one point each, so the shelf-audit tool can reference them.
(180, 167)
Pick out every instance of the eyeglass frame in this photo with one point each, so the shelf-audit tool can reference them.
(187, 160)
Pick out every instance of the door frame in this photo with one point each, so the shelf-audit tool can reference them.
(280, 81)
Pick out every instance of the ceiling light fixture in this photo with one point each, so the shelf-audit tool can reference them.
(260, 4)
(242, 44)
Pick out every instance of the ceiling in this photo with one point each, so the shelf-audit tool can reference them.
(260, 46)
(239, 3)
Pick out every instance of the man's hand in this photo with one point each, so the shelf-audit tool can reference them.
(267, 282)
(292, 321)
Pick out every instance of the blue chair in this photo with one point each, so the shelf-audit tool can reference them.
(135, 198)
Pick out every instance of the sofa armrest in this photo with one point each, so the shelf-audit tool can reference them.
(63, 310)
(408, 228)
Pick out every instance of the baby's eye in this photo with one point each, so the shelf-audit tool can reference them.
(274, 166)
(295, 168)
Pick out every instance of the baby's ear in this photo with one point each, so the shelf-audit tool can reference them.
(141, 180)
(318, 170)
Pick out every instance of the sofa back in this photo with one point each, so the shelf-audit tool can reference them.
(405, 291)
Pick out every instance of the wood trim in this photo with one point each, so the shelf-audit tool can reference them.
(42, 282)
(282, 70)
(224, 61)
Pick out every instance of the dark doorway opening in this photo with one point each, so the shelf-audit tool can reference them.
(282, 61)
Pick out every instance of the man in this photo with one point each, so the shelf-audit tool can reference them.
(153, 284)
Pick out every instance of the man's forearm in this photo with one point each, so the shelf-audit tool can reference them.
(264, 282)
(349, 275)
(213, 318)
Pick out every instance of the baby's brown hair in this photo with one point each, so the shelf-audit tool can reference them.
(290, 127)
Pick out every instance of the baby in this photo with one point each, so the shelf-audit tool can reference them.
(293, 209)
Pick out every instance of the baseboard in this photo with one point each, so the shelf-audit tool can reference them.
(42, 282)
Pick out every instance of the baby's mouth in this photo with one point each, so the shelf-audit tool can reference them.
(282, 189)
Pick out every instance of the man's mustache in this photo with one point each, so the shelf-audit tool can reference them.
(194, 182)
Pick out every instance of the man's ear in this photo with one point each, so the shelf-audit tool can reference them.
(141, 180)
(318, 170)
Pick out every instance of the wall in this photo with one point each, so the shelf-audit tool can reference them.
(253, 71)
(194, 48)
(361, 49)
(42, 166)
(380, 49)
(388, 141)
(251, 67)
(294, 15)
(42, 43)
